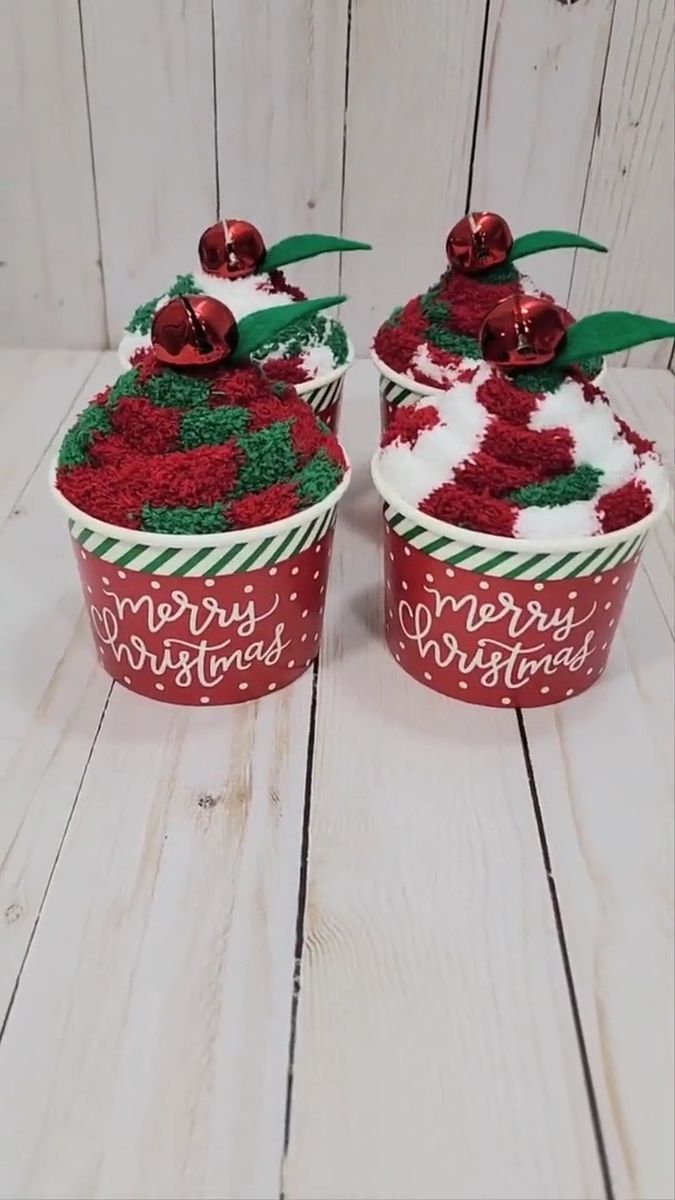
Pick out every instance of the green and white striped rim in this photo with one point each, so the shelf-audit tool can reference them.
(323, 398)
(393, 394)
(512, 564)
(250, 555)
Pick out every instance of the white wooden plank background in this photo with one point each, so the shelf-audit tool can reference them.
(150, 81)
(436, 1051)
(280, 74)
(51, 291)
(485, 909)
(52, 695)
(380, 117)
(544, 59)
(631, 180)
(413, 79)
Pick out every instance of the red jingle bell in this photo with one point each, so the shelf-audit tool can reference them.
(523, 331)
(193, 331)
(478, 242)
(231, 249)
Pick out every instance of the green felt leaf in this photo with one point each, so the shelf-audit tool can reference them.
(260, 327)
(306, 245)
(606, 332)
(551, 239)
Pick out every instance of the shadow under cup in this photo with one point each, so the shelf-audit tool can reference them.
(498, 621)
(211, 619)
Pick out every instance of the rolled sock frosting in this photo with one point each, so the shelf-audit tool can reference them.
(309, 350)
(175, 452)
(518, 461)
(434, 337)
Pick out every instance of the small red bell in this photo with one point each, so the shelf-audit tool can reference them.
(231, 249)
(193, 331)
(523, 331)
(478, 242)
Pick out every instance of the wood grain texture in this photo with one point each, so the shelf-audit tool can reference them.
(36, 389)
(150, 77)
(629, 198)
(280, 68)
(149, 880)
(604, 767)
(50, 280)
(646, 399)
(51, 691)
(413, 79)
(436, 1055)
(147, 1050)
(541, 89)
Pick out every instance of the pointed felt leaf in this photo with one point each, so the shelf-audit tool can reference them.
(551, 239)
(260, 327)
(306, 245)
(606, 332)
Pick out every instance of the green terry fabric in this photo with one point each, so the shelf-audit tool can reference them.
(268, 457)
(581, 484)
(184, 520)
(318, 479)
(74, 450)
(141, 321)
(550, 377)
(504, 273)
(126, 385)
(174, 389)
(213, 426)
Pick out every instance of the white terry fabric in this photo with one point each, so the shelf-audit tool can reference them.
(242, 296)
(596, 434)
(445, 375)
(415, 472)
(653, 475)
(578, 519)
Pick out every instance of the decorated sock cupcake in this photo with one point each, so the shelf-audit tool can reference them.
(429, 342)
(201, 498)
(237, 268)
(516, 510)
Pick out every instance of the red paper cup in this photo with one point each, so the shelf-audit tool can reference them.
(324, 395)
(210, 619)
(498, 621)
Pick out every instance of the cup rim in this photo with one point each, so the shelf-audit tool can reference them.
(420, 389)
(196, 541)
(516, 545)
(427, 389)
(311, 385)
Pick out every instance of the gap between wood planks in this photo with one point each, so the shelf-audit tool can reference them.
(596, 135)
(300, 918)
(343, 172)
(476, 114)
(302, 892)
(591, 1096)
(99, 261)
(54, 865)
(566, 962)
